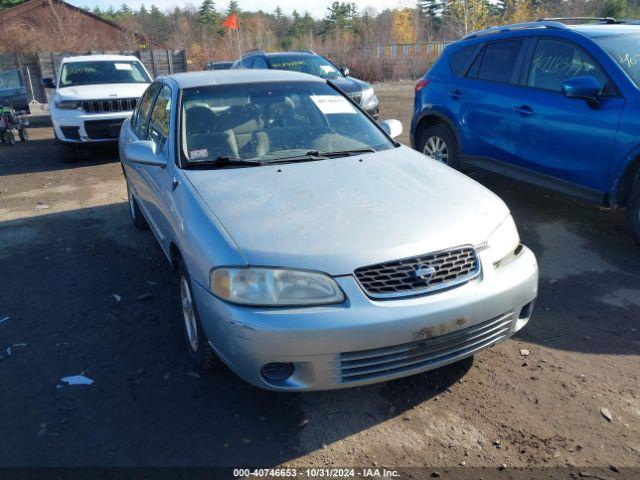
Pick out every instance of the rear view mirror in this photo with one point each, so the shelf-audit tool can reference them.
(585, 88)
(393, 127)
(47, 82)
(144, 152)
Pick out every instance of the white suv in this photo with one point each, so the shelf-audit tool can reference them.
(93, 95)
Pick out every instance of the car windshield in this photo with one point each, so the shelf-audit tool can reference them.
(312, 64)
(625, 49)
(95, 73)
(273, 121)
(10, 79)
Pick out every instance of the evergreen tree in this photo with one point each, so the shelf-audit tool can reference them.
(340, 16)
(431, 11)
(233, 8)
(207, 14)
(124, 10)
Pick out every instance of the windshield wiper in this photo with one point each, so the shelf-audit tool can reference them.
(223, 161)
(315, 155)
(343, 153)
(312, 156)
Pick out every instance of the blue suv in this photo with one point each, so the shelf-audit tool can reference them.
(553, 104)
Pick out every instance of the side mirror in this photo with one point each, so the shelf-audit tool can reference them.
(144, 152)
(47, 82)
(584, 88)
(393, 127)
(345, 71)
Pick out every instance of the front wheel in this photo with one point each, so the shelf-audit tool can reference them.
(23, 134)
(198, 346)
(439, 143)
(633, 209)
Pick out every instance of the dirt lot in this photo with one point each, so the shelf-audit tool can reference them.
(67, 246)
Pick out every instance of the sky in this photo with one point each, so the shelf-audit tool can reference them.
(315, 8)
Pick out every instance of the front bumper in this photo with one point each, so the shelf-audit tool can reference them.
(78, 126)
(356, 342)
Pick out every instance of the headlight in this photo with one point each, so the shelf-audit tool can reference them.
(368, 97)
(274, 287)
(68, 104)
(503, 242)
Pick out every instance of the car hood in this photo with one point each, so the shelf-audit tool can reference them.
(340, 214)
(102, 91)
(350, 84)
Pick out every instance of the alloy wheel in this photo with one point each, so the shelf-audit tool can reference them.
(436, 148)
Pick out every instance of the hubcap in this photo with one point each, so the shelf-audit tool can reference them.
(188, 314)
(436, 148)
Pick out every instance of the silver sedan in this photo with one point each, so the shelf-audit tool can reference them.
(313, 250)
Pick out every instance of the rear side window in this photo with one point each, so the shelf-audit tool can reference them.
(555, 61)
(141, 115)
(459, 59)
(499, 61)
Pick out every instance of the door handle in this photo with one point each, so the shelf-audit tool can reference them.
(455, 94)
(524, 110)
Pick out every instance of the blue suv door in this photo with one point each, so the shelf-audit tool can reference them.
(484, 98)
(562, 137)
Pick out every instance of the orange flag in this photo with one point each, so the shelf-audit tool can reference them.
(231, 22)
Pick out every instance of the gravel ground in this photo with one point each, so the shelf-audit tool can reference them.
(84, 292)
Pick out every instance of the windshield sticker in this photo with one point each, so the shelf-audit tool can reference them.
(330, 104)
(287, 65)
(327, 68)
(122, 66)
(197, 154)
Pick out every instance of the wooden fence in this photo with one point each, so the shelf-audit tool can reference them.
(45, 64)
(399, 50)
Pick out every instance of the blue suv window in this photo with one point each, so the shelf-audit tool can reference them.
(555, 61)
(499, 61)
(459, 59)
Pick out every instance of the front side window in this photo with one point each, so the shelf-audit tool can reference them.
(555, 61)
(259, 62)
(499, 61)
(102, 72)
(311, 64)
(268, 122)
(160, 116)
(10, 79)
(141, 116)
(625, 50)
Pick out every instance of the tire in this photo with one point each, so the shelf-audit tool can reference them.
(440, 143)
(9, 138)
(23, 134)
(137, 218)
(633, 210)
(196, 340)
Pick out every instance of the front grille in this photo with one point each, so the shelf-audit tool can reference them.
(422, 354)
(356, 97)
(415, 275)
(103, 129)
(109, 105)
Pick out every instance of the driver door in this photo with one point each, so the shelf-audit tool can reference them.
(558, 136)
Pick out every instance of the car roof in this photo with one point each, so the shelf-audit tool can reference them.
(230, 77)
(605, 30)
(100, 58)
